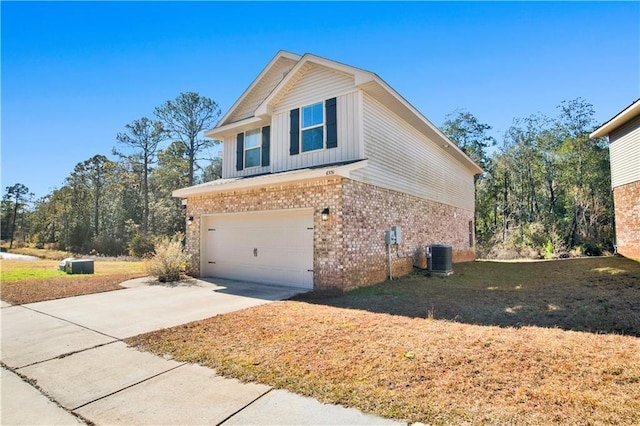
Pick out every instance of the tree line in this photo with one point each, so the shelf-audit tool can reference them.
(117, 206)
(545, 189)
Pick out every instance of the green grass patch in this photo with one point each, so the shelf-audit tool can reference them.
(28, 281)
(27, 273)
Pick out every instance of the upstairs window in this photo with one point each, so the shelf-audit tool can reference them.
(307, 127)
(312, 128)
(252, 148)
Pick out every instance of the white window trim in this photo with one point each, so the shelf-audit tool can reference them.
(245, 149)
(323, 125)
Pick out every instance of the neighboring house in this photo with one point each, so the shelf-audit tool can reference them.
(624, 149)
(319, 160)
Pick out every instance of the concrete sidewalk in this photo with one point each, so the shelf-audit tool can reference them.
(72, 350)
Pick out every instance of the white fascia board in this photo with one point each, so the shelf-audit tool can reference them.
(263, 108)
(280, 54)
(268, 180)
(620, 119)
(219, 132)
(358, 73)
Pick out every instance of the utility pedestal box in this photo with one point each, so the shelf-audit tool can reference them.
(78, 266)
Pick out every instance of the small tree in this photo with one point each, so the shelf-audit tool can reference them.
(17, 196)
(470, 135)
(140, 245)
(169, 260)
(184, 119)
(143, 135)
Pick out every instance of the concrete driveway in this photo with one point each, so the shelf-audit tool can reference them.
(71, 349)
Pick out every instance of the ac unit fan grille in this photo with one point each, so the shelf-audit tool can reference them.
(441, 259)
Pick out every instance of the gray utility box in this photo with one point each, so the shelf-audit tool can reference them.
(439, 259)
(78, 266)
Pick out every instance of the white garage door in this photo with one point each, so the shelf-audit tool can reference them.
(273, 247)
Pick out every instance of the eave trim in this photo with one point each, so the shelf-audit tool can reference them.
(270, 179)
(618, 120)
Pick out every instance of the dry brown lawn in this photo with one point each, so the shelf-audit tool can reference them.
(600, 295)
(413, 350)
(39, 280)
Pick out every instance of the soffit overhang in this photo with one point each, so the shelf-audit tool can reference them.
(287, 177)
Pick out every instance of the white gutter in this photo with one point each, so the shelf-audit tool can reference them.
(271, 179)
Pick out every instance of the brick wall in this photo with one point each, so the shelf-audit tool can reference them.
(369, 211)
(626, 200)
(349, 248)
(327, 252)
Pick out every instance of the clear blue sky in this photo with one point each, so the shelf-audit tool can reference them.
(73, 74)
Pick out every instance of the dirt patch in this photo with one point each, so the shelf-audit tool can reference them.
(38, 290)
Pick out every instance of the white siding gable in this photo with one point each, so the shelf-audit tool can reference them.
(403, 159)
(624, 148)
(312, 84)
(262, 89)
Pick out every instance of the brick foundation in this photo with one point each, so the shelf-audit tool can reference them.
(626, 199)
(349, 248)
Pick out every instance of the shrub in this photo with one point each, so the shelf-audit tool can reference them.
(529, 241)
(591, 249)
(107, 245)
(169, 260)
(548, 250)
(140, 245)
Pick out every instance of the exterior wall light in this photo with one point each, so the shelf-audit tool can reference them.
(325, 214)
(189, 220)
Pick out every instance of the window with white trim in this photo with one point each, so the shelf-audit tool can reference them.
(312, 127)
(252, 148)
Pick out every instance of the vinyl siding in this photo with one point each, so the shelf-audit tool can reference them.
(275, 75)
(403, 159)
(349, 146)
(312, 83)
(229, 161)
(349, 142)
(624, 148)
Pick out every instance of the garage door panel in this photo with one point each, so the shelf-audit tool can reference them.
(269, 247)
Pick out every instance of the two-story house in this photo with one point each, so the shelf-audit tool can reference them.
(319, 160)
(624, 149)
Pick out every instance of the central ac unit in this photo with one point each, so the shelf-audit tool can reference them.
(439, 259)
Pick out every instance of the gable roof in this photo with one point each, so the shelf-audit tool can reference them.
(368, 81)
(618, 120)
(253, 89)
